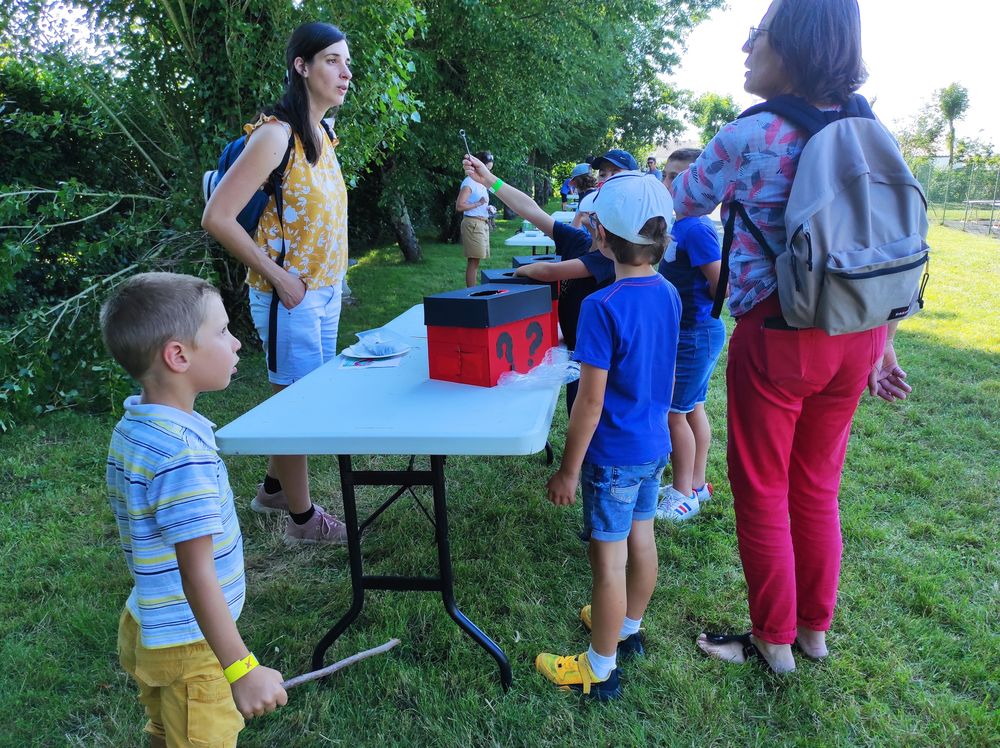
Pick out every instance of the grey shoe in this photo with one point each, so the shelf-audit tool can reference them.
(321, 528)
(269, 503)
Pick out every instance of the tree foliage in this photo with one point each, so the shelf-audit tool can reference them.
(114, 108)
(710, 112)
(953, 101)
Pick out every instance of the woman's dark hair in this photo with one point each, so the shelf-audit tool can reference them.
(584, 182)
(293, 106)
(630, 253)
(485, 156)
(819, 42)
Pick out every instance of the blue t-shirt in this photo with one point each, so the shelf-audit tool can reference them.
(565, 189)
(696, 243)
(571, 243)
(630, 330)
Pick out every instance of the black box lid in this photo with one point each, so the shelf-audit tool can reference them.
(528, 259)
(506, 275)
(489, 305)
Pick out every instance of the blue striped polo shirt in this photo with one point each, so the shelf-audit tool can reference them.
(167, 484)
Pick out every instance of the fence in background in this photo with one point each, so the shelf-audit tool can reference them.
(965, 197)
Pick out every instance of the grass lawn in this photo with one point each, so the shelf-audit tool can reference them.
(916, 649)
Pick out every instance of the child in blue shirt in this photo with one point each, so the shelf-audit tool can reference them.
(691, 263)
(170, 494)
(617, 443)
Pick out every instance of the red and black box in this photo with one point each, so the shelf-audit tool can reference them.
(501, 275)
(475, 334)
(529, 259)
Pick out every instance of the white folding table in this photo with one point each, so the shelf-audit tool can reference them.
(564, 216)
(397, 410)
(522, 239)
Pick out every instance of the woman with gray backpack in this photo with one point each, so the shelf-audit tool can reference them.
(296, 252)
(825, 245)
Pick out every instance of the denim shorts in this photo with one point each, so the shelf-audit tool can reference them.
(307, 333)
(614, 496)
(698, 350)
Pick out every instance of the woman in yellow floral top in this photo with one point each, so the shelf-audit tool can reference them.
(308, 281)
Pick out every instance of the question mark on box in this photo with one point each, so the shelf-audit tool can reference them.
(534, 334)
(505, 348)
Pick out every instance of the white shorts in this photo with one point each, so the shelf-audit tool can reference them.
(307, 333)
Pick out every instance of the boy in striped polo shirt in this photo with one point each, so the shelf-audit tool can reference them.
(170, 494)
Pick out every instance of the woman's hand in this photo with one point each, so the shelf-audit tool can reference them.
(887, 380)
(477, 171)
(290, 289)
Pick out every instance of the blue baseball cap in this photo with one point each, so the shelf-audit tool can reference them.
(579, 170)
(621, 159)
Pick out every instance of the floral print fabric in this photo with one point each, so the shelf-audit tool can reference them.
(752, 160)
(315, 217)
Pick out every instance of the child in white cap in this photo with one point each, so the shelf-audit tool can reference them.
(618, 443)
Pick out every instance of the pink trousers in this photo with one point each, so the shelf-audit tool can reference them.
(791, 397)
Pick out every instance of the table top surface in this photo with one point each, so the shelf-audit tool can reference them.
(565, 216)
(522, 240)
(398, 410)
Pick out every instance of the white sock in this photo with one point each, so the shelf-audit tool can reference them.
(601, 665)
(629, 627)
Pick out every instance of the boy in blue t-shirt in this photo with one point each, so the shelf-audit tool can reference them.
(617, 443)
(170, 494)
(691, 263)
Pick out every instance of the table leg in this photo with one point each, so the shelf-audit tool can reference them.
(447, 579)
(356, 566)
(444, 583)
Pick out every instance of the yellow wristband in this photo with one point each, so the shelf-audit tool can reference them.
(240, 668)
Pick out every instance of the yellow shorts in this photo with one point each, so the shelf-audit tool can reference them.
(475, 238)
(186, 696)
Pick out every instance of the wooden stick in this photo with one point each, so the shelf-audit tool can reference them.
(298, 680)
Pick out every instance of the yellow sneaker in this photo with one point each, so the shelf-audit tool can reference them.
(573, 673)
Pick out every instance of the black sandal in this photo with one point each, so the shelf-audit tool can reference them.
(750, 650)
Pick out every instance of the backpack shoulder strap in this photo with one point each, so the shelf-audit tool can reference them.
(805, 116)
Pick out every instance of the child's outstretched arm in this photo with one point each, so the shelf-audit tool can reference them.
(548, 272)
(259, 691)
(512, 197)
(582, 423)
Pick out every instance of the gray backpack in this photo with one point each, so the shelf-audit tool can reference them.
(856, 221)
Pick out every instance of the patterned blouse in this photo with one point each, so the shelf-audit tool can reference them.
(752, 160)
(315, 215)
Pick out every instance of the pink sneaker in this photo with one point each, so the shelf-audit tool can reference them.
(269, 503)
(321, 528)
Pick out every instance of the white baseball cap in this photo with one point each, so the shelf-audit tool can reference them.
(627, 200)
(587, 203)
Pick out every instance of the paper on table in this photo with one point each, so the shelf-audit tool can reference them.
(370, 363)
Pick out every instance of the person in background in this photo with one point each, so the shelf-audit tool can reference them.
(473, 202)
(300, 325)
(565, 190)
(582, 180)
(651, 169)
(691, 263)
